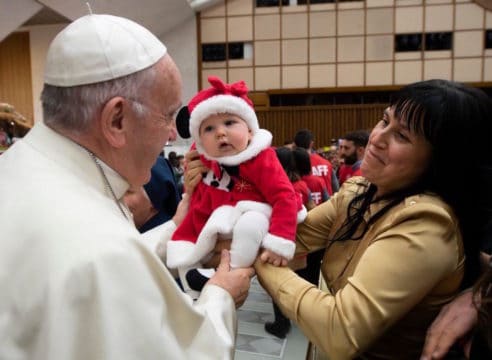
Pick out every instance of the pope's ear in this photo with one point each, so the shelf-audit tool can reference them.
(113, 121)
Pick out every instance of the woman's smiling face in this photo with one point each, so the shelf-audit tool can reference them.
(395, 156)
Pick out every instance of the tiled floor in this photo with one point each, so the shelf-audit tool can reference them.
(253, 342)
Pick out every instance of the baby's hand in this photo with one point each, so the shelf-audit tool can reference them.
(268, 256)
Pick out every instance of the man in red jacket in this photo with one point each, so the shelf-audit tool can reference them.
(320, 166)
(351, 150)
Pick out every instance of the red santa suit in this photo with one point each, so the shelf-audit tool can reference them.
(247, 195)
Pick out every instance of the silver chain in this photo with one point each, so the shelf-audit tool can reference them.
(106, 182)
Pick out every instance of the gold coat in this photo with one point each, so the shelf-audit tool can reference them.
(385, 289)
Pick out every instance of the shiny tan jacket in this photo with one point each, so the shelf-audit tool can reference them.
(385, 289)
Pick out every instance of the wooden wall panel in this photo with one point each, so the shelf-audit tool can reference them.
(326, 122)
(15, 73)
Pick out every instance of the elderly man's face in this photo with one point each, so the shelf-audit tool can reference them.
(151, 132)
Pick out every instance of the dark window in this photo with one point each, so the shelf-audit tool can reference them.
(362, 97)
(236, 50)
(408, 42)
(213, 52)
(439, 41)
(265, 3)
(488, 39)
(304, 2)
(370, 97)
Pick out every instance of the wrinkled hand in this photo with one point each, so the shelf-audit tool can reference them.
(453, 323)
(268, 256)
(193, 171)
(235, 281)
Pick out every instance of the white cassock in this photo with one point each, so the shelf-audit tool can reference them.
(77, 280)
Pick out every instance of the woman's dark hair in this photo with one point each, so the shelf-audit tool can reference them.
(286, 158)
(303, 161)
(455, 120)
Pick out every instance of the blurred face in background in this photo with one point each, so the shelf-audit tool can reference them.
(348, 151)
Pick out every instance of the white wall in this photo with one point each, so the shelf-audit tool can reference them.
(181, 44)
(13, 13)
(40, 38)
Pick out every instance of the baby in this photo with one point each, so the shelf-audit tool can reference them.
(245, 196)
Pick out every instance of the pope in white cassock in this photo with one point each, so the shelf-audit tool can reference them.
(77, 280)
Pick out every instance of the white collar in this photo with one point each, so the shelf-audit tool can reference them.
(75, 158)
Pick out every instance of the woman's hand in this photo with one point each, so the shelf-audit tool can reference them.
(194, 169)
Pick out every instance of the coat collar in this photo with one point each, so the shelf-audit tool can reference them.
(75, 158)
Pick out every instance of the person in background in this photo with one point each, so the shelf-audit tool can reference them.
(177, 169)
(280, 326)
(466, 322)
(181, 168)
(311, 271)
(289, 164)
(289, 144)
(351, 150)
(320, 166)
(316, 185)
(4, 138)
(77, 280)
(157, 201)
(404, 240)
(333, 158)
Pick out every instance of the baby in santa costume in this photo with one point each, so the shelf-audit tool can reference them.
(245, 196)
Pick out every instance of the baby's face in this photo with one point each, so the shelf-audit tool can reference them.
(224, 135)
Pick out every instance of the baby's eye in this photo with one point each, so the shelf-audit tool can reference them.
(230, 122)
(208, 128)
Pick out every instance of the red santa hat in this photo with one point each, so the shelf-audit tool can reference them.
(222, 98)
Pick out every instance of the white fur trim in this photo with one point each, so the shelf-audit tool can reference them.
(279, 245)
(184, 253)
(301, 214)
(222, 104)
(260, 141)
(250, 205)
(181, 253)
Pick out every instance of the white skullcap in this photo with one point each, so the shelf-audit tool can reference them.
(97, 48)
